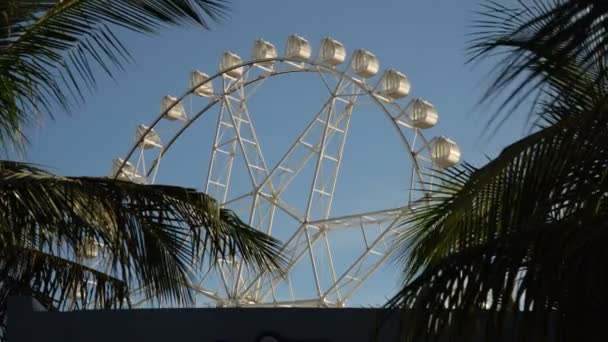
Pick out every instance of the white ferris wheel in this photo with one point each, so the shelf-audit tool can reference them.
(309, 227)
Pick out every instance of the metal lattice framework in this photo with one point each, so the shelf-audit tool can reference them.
(319, 147)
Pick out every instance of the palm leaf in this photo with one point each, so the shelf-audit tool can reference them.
(54, 282)
(155, 237)
(48, 51)
(540, 44)
(520, 229)
(521, 237)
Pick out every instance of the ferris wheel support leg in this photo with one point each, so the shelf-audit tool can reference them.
(237, 124)
(216, 145)
(224, 278)
(311, 151)
(256, 167)
(317, 185)
(220, 130)
(281, 165)
(330, 258)
(298, 232)
(218, 187)
(312, 195)
(324, 139)
(348, 112)
(342, 119)
(269, 231)
(300, 251)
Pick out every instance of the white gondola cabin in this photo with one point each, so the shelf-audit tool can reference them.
(151, 138)
(395, 84)
(365, 64)
(264, 50)
(200, 79)
(422, 113)
(332, 52)
(229, 61)
(127, 173)
(90, 249)
(444, 152)
(176, 112)
(297, 47)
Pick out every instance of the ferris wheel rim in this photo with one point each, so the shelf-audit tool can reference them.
(392, 110)
(320, 68)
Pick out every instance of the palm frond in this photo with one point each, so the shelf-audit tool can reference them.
(520, 238)
(155, 236)
(48, 51)
(546, 280)
(14, 13)
(54, 282)
(516, 230)
(546, 47)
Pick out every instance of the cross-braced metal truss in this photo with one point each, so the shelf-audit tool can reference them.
(318, 150)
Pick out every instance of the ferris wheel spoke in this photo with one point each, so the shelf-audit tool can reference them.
(256, 85)
(287, 249)
(207, 293)
(224, 276)
(286, 208)
(376, 250)
(352, 95)
(295, 248)
(198, 285)
(321, 74)
(298, 251)
(374, 246)
(318, 183)
(222, 157)
(330, 259)
(248, 142)
(290, 165)
(347, 221)
(331, 127)
(243, 143)
(237, 199)
(340, 77)
(226, 139)
(284, 166)
(302, 303)
(335, 123)
(244, 132)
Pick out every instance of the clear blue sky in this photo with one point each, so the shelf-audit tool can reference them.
(425, 39)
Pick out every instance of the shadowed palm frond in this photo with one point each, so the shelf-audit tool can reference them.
(154, 237)
(54, 282)
(515, 231)
(542, 45)
(151, 238)
(520, 239)
(49, 49)
(546, 280)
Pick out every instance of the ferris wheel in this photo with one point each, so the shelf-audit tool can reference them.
(318, 150)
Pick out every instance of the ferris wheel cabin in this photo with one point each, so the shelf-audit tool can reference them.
(332, 52)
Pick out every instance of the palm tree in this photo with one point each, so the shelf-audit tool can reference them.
(521, 242)
(155, 237)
